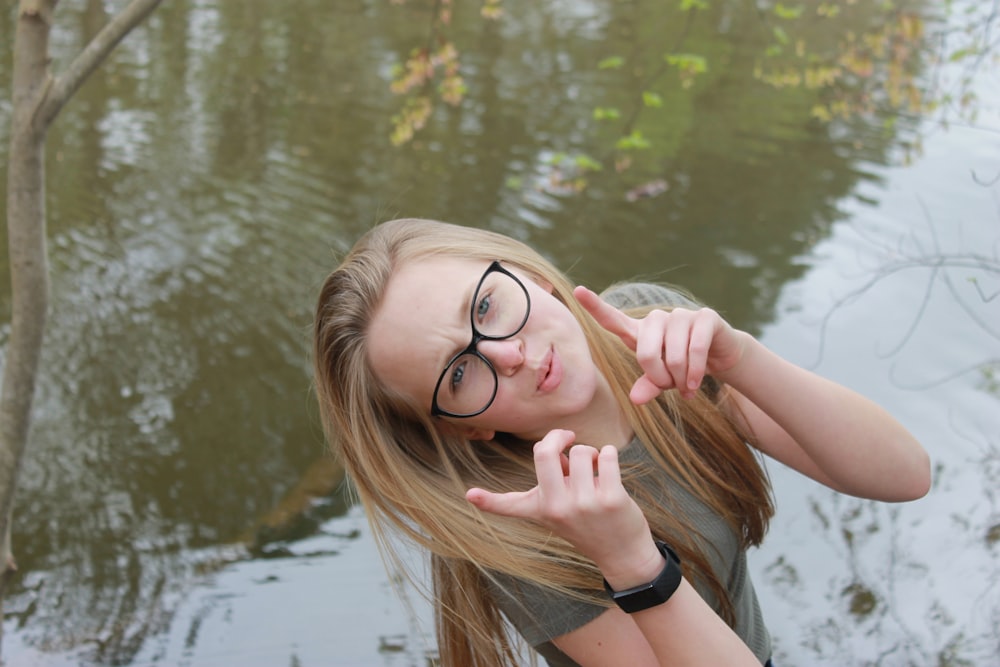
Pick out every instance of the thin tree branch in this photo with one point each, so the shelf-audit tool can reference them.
(987, 183)
(917, 317)
(983, 324)
(92, 56)
(933, 262)
(941, 380)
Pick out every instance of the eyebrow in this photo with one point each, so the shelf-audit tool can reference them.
(465, 315)
(467, 305)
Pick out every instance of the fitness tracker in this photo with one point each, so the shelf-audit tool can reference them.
(655, 592)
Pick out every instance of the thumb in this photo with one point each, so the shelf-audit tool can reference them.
(519, 504)
(608, 316)
(644, 390)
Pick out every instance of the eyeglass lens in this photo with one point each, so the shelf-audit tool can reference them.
(499, 309)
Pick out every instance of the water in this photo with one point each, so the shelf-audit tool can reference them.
(202, 182)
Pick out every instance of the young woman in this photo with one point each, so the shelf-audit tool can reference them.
(588, 475)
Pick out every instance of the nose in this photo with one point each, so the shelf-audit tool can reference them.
(506, 355)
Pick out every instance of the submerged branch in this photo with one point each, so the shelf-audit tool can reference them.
(936, 263)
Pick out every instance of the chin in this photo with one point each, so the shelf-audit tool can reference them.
(582, 397)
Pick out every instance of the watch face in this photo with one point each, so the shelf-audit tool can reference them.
(655, 592)
(637, 600)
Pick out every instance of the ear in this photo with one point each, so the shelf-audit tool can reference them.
(466, 431)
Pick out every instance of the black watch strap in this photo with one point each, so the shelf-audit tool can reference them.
(655, 592)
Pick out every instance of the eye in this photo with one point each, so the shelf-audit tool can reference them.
(483, 308)
(457, 373)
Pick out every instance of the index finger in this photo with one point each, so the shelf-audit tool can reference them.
(549, 460)
(608, 468)
(608, 316)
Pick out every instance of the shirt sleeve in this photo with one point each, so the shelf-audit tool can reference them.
(636, 295)
(624, 296)
(538, 613)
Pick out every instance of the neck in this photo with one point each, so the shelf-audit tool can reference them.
(604, 422)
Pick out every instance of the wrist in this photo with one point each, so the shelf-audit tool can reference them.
(633, 567)
(654, 592)
(750, 349)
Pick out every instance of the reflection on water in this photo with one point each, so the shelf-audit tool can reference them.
(918, 583)
(203, 180)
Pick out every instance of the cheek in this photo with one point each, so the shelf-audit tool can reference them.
(506, 414)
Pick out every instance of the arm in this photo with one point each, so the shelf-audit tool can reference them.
(595, 514)
(825, 430)
(682, 631)
(811, 424)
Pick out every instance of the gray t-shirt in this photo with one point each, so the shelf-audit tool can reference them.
(540, 615)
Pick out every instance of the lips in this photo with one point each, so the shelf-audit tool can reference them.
(543, 369)
(550, 375)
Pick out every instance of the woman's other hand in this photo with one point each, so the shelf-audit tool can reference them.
(580, 497)
(675, 349)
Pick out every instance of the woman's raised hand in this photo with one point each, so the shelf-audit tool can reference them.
(579, 497)
(675, 349)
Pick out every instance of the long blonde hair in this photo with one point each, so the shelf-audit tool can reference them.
(412, 477)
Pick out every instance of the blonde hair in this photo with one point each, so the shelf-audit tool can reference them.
(412, 477)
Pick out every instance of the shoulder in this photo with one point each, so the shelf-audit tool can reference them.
(637, 295)
(642, 295)
(540, 613)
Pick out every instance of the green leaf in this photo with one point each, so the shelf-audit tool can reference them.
(606, 113)
(634, 141)
(687, 5)
(611, 62)
(962, 53)
(828, 10)
(652, 100)
(687, 62)
(784, 12)
(587, 163)
(780, 34)
(514, 183)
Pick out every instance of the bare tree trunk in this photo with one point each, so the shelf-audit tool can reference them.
(28, 258)
(37, 100)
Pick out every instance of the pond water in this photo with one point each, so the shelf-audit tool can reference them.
(203, 181)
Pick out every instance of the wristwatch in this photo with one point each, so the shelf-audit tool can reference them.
(655, 592)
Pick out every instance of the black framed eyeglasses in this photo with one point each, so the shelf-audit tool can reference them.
(500, 308)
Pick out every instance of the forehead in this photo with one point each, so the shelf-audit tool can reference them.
(422, 320)
(431, 288)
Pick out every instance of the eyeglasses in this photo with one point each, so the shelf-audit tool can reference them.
(500, 308)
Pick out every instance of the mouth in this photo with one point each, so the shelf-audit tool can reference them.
(550, 372)
(544, 369)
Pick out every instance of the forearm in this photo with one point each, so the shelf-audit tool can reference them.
(686, 631)
(683, 630)
(862, 449)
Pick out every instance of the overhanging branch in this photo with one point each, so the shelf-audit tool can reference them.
(92, 56)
